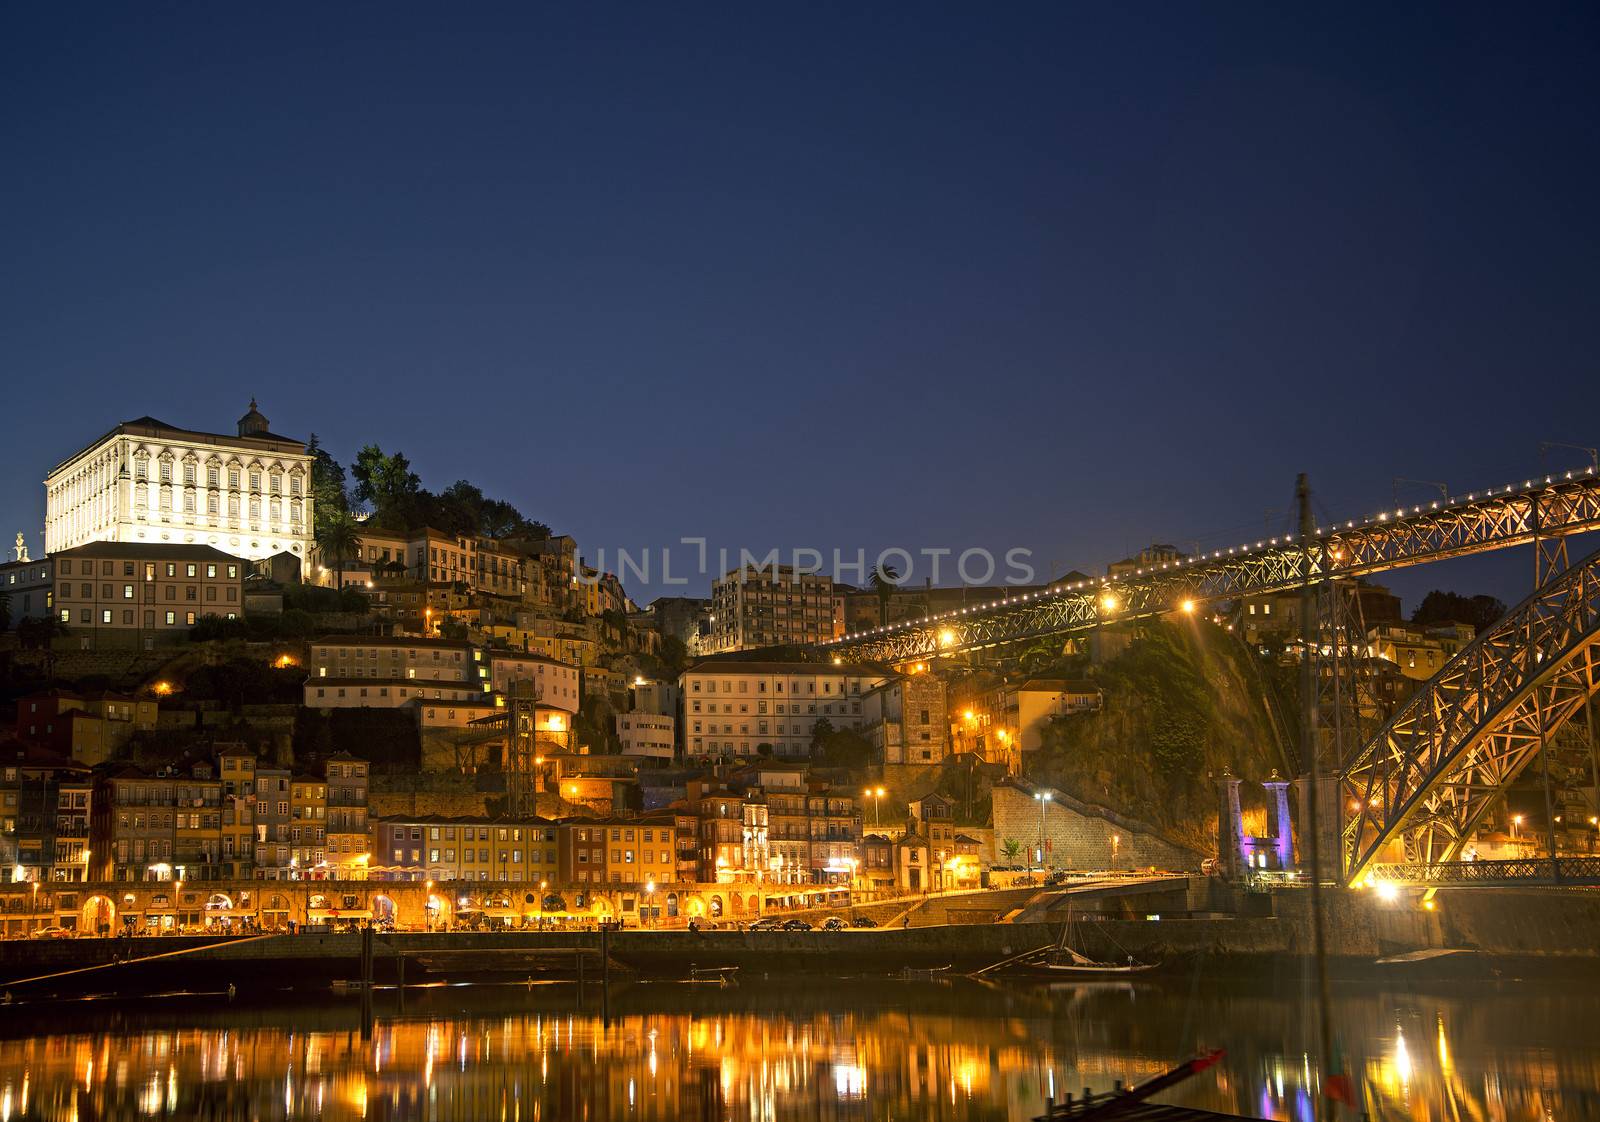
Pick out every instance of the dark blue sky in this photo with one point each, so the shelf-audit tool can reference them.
(1055, 276)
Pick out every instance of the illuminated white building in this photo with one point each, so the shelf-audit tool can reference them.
(146, 481)
(732, 708)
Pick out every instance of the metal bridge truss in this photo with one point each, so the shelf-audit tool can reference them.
(1449, 754)
(1543, 512)
(1567, 871)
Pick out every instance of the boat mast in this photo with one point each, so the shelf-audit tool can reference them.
(1311, 753)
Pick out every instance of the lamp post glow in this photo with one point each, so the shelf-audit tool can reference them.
(1044, 798)
(876, 795)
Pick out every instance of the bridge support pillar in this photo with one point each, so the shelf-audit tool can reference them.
(1230, 826)
(1278, 823)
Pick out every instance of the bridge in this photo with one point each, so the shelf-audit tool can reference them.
(1569, 872)
(1546, 510)
(1420, 788)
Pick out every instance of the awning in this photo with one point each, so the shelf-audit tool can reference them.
(341, 913)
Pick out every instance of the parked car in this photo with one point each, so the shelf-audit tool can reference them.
(797, 925)
(1057, 877)
(52, 933)
(864, 921)
(767, 923)
(833, 923)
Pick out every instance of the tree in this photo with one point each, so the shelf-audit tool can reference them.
(1451, 607)
(820, 733)
(388, 484)
(340, 541)
(37, 634)
(885, 579)
(1011, 847)
(328, 497)
(460, 508)
(844, 748)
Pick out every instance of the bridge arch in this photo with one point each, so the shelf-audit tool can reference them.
(1429, 776)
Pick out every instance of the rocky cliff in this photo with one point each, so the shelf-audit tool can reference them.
(1183, 701)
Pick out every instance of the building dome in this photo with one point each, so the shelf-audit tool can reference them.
(252, 422)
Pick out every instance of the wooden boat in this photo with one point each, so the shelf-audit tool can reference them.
(1064, 962)
(926, 973)
(713, 975)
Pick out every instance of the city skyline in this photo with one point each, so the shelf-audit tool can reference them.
(995, 246)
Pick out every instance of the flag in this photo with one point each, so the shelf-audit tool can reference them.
(1338, 1086)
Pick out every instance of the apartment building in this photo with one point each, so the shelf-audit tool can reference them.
(73, 800)
(772, 606)
(732, 708)
(143, 595)
(33, 783)
(85, 726)
(618, 850)
(236, 768)
(1420, 651)
(156, 827)
(646, 734)
(398, 659)
(291, 822)
(148, 482)
(558, 684)
(29, 586)
(348, 838)
(465, 848)
(906, 720)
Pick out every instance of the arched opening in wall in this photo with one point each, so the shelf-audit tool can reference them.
(672, 905)
(275, 916)
(601, 909)
(317, 902)
(716, 907)
(383, 913)
(160, 914)
(753, 903)
(438, 913)
(697, 907)
(99, 916)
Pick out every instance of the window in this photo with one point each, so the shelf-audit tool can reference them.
(105, 615)
(172, 617)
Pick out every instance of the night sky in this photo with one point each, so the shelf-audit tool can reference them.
(1065, 277)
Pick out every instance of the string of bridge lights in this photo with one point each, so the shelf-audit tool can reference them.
(1108, 601)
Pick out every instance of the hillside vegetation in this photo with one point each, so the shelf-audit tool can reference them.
(1183, 701)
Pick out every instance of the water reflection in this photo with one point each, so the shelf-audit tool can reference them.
(765, 1051)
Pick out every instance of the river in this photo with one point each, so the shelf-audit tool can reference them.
(802, 1049)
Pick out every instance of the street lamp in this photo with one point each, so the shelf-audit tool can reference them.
(542, 886)
(649, 901)
(1516, 821)
(1044, 798)
(876, 795)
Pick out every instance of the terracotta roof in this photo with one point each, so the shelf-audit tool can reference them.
(148, 551)
(1061, 685)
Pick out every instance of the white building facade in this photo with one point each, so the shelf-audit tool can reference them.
(149, 482)
(646, 734)
(732, 708)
